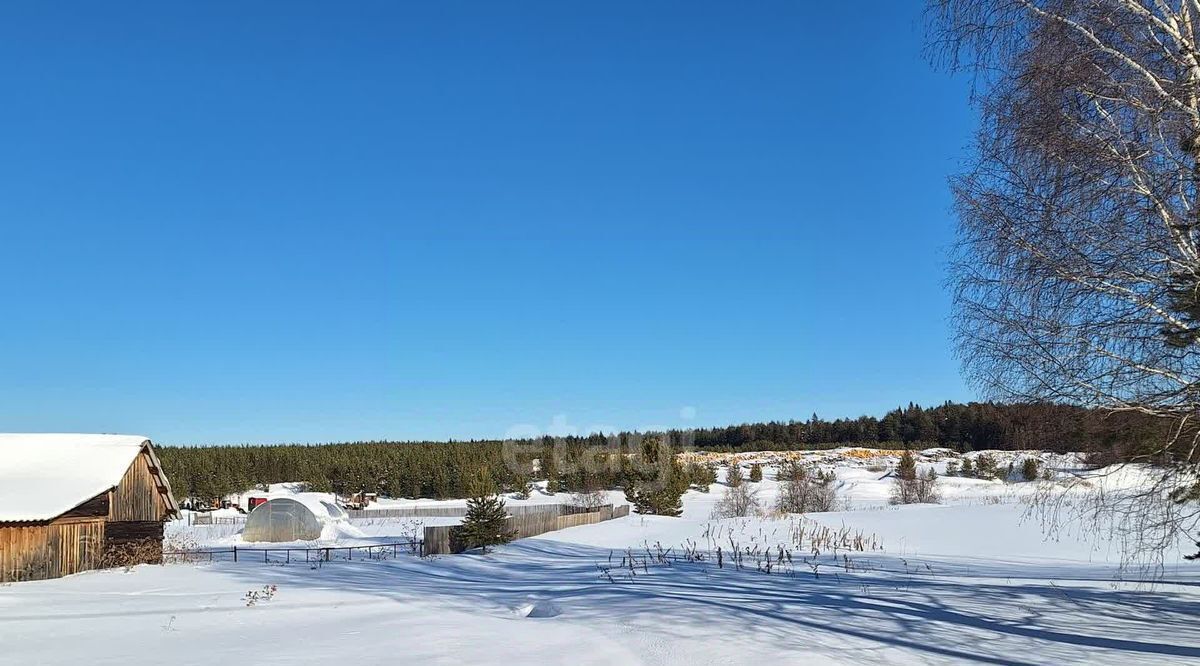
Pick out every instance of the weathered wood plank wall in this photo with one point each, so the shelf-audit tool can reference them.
(137, 498)
(443, 540)
(37, 552)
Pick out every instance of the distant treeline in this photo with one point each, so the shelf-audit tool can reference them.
(443, 469)
(964, 427)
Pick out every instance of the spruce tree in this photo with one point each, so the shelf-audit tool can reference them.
(660, 495)
(907, 469)
(968, 468)
(1029, 469)
(733, 478)
(486, 522)
(905, 482)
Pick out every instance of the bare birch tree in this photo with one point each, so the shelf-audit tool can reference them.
(1077, 270)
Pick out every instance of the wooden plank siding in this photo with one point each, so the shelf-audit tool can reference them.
(137, 498)
(36, 552)
(446, 539)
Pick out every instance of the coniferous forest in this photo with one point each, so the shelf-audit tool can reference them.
(443, 469)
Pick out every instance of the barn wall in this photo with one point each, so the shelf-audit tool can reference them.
(137, 498)
(37, 552)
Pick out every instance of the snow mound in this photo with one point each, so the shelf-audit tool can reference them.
(538, 609)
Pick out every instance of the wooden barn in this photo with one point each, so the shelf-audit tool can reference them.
(70, 503)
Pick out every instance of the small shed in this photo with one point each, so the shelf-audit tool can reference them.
(299, 517)
(72, 502)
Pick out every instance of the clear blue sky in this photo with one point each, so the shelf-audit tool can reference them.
(301, 221)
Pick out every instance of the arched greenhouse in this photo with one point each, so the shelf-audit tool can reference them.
(295, 518)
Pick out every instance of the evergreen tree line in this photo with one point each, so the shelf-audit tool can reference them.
(444, 470)
(963, 427)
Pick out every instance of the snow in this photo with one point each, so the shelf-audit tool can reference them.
(975, 580)
(45, 475)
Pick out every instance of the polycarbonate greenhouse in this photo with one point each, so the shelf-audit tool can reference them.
(295, 518)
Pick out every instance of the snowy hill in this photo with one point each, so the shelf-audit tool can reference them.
(974, 580)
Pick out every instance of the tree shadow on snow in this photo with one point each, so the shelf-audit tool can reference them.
(983, 617)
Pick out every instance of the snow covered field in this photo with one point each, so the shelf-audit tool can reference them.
(971, 581)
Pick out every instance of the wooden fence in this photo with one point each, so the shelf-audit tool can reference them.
(531, 521)
(209, 519)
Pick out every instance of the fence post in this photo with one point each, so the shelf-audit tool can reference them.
(235, 553)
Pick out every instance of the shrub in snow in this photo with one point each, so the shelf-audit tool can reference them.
(803, 491)
(755, 473)
(951, 468)
(910, 487)
(590, 498)
(738, 502)
(128, 555)
(927, 489)
(791, 470)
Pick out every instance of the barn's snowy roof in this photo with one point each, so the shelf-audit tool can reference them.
(43, 476)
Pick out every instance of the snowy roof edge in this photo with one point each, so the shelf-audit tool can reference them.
(46, 475)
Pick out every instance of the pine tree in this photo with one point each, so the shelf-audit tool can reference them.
(986, 466)
(1029, 469)
(755, 473)
(733, 478)
(486, 522)
(550, 468)
(661, 495)
(904, 484)
(907, 469)
(968, 468)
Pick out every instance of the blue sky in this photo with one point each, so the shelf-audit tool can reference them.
(301, 221)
